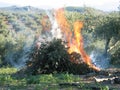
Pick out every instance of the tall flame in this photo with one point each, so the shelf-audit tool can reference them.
(63, 24)
(75, 42)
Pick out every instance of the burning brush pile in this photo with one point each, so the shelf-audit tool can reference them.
(53, 57)
(61, 54)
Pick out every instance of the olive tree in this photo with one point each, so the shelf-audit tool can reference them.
(107, 29)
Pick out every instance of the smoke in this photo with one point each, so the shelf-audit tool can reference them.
(18, 58)
(55, 31)
(100, 59)
(95, 48)
(17, 53)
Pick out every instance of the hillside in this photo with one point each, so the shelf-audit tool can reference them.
(85, 10)
(21, 9)
(22, 25)
(22, 18)
(75, 48)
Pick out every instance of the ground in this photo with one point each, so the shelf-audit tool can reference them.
(65, 81)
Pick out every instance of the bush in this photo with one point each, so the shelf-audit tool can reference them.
(52, 57)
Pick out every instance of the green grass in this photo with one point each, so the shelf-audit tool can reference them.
(40, 82)
(51, 78)
(8, 70)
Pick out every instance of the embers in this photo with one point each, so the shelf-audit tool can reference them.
(76, 58)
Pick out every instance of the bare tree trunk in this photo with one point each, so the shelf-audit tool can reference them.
(107, 46)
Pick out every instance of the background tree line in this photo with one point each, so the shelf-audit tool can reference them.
(101, 30)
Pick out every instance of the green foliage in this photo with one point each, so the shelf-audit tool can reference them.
(16, 26)
(75, 9)
(4, 79)
(109, 27)
(4, 39)
(72, 17)
(52, 57)
(52, 78)
(66, 77)
(9, 81)
(14, 32)
(104, 88)
(8, 70)
(115, 58)
(41, 79)
(49, 58)
(7, 77)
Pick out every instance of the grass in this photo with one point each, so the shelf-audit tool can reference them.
(40, 82)
(8, 70)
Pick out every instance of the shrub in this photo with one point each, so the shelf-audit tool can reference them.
(52, 57)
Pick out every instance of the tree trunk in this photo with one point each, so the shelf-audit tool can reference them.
(107, 46)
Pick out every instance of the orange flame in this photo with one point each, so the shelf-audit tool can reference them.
(74, 42)
(45, 24)
(63, 24)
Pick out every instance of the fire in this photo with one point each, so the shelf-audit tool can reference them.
(45, 24)
(63, 24)
(75, 41)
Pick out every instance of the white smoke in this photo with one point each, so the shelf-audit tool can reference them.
(49, 35)
(17, 58)
(55, 31)
(100, 59)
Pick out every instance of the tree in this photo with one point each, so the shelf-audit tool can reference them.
(3, 42)
(72, 17)
(109, 28)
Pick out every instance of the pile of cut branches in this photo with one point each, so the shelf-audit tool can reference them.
(52, 57)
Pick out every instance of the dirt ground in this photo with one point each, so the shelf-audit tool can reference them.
(106, 77)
